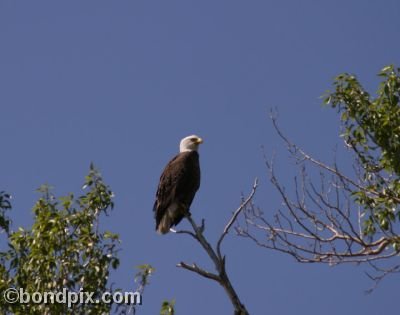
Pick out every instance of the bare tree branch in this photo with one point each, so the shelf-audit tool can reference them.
(234, 217)
(200, 271)
(215, 255)
(303, 156)
(381, 274)
(320, 220)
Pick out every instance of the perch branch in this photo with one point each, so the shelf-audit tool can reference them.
(215, 255)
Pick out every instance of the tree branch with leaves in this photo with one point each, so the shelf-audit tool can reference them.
(65, 249)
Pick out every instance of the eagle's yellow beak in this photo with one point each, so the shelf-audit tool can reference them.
(199, 140)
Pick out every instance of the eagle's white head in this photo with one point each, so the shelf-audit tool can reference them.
(190, 143)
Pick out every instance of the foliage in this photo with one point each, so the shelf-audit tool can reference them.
(5, 205)
(371, 128)
(143, 275)
(65, 248)
(168, 308)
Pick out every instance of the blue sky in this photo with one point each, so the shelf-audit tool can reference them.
(119, 83)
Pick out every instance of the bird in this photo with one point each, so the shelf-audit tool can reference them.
(178, 185)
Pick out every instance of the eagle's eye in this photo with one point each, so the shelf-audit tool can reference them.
(193, 139)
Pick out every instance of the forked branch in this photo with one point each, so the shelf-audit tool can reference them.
(320, 220)
(216, 256)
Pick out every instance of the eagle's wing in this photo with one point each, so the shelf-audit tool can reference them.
(178, 185)
(166, 189)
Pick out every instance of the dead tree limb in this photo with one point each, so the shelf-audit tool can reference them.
(216, 256)
(319, 220)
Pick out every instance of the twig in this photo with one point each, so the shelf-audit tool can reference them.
(234, 217)
(199, 270)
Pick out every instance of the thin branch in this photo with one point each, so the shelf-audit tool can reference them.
(382, 274)
(200, 271)
(183, 232)
(234, 217)
(304, 156)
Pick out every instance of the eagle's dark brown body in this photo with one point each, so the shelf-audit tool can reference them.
(178, 185)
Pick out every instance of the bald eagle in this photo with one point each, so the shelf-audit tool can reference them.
(178, 185)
